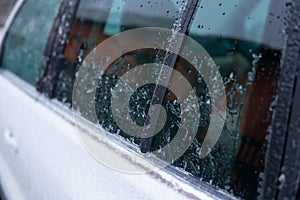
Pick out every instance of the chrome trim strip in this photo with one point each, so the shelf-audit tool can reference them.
(9, 21)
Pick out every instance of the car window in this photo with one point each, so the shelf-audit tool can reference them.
(96, 21)
(27, 37)
(235, 34)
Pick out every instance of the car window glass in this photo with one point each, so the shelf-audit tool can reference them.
(27, 37)
(235, 34)
(96, 21)
(230, 21)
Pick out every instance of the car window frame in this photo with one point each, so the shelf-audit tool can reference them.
(272, 172)
(289, 171)
(284, 115)
(49, 69)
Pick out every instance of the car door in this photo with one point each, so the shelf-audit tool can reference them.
(250, 58)
(41, 155)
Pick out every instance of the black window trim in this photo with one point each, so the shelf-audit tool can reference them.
(49, 69)
(183, 27)
(290, 170)
(279, 155)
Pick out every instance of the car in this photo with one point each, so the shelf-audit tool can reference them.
(79, 80)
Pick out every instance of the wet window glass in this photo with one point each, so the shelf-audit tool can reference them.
(26, 39)
(96, 21)
(237, 36)
(245, 40)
